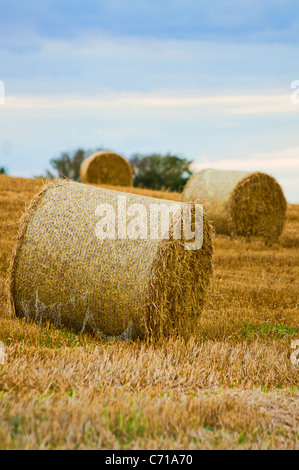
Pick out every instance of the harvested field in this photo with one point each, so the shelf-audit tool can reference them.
(232, 386)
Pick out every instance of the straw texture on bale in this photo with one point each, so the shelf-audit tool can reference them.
(238, 202)
(122, 287)
(106, 168)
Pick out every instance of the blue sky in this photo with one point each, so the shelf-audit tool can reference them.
(209, 81)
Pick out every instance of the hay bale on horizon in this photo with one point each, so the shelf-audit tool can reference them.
(105, 167)
(238, 202)
(122, 287)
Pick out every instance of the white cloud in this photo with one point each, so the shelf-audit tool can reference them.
(144, 102)
(261, 161)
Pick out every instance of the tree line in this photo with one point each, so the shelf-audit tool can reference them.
(152, 171)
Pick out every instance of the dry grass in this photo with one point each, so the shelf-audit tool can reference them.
(231, 387)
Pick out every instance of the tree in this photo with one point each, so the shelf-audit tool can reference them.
(3, 170)
(162, 172)
(68, 165)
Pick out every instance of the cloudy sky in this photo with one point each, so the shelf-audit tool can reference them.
(208, 81)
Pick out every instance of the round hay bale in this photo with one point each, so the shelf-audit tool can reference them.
(125, 287)
(106, 168)
(238, 202)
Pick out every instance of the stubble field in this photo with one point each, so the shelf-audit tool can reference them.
(233, 386)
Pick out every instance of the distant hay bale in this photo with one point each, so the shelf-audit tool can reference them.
(106, 168)
(62, 271)
(239, 202)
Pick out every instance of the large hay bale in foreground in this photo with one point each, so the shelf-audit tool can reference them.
(106, 168)
(239, 202)
(64, 272)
